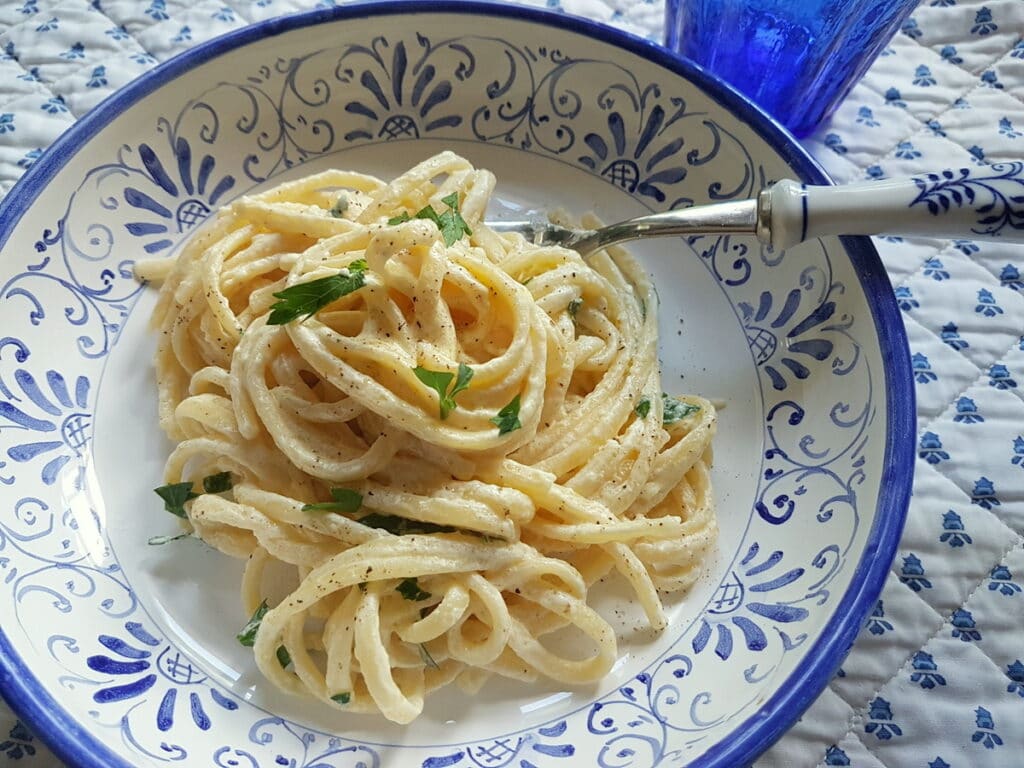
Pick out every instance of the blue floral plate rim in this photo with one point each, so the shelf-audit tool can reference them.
(74, 744)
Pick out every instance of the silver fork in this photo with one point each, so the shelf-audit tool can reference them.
(960, 203)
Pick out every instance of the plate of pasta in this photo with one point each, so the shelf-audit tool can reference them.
(306, 464)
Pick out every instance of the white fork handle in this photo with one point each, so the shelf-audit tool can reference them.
(960, 203)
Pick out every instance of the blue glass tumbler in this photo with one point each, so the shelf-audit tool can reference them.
(797, 59)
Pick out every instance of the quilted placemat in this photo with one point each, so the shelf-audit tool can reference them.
(936, 679)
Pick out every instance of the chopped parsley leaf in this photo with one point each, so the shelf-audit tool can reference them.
(676, 410)
(345, 500)
(401, 526)
(339, 207)
(217, 483)
(283, 657)
(428, 660)
(342, 698)
(643, 407)
(574, 307)
(439, 381)
(306, 299)
(247, 636)
(175, 495)
(410, 590)
(450, 223)
(156, 541)
(507, 419)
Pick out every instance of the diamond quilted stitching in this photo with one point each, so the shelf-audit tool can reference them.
(997, 608)
(187, 27)
(17, 81)
(936, 699)
(939, 375)
(970, 33)
(1009, 70)
(974, 437)
(907, 78)
(27, 120)
(995, 124)
(904, 256)
(850, 751)
(898, 625)
(1004, 261)
(948, 544)
(88, 86)
(824, 723)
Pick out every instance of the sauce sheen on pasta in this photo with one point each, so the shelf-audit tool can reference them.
(447, 434)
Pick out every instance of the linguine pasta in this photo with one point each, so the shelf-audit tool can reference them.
(451, 439)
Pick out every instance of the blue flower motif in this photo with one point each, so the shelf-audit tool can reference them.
(1009, 277)
(1006, 129)
(835, 756)
(264, 3)
(893, 97)
(966, 247)
(905, 299)
(18, 743)
(866, 117)
(953, 531)
(987, 304)
(7, 53)
(31, 75)
(157, 10)
(1015, 672)
(118, 33)
(1000, 378)
(923, 373)
(967, 412)
(76, 51)
(930, 449)
(949, 53)
(6, 123)
(64, 419)
(98, 78)
(1018, 50)
(912, 574)
(938, 762)
(874, 172)
(835, 142)
(881, 723)
(983, 24)
(30, 158)
(728, 606)
(1018, 451)
(923, 76)
(183, 36)
(876, 624)
(951, 335)
(961, 103)
(942, 3)
(144, 58)
(48, 26)
(910, 28)
(223, 14)
(934, 267)
(990, 79)
(986, 734)
(29, 8)
(905, 151)
(1001, 581)
(964, 627)
(54, 105)
(925, 671)
(139, 671)
(977, 153)
(984, 493)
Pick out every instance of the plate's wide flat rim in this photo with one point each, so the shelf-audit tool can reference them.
(77, 747)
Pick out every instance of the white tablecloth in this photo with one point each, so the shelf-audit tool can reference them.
(936, 679)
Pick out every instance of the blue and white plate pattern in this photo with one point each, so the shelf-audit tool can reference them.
(805, 346)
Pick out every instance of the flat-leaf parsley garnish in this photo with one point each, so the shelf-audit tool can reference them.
(306, 299)
(345, 500)
(451, 223)
(643, 407)
(574, 307)
(410, 590)
(217, 483)
(247, 636)
(439, 381)
(507, 419)
(175, 495)
(342, 698)
(402, 526)
(339, 207)
(675, 410)
(283, 657)
(156, 541)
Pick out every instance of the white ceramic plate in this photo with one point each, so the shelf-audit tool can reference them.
(119, 653)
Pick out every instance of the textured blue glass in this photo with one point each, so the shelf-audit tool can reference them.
(795, 58)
